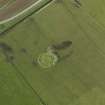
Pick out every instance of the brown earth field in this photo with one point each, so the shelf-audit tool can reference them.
(15, 8)
(2, 2)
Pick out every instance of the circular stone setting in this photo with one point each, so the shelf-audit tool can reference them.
(47, 60)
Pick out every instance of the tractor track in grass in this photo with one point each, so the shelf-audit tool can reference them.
(27, 82)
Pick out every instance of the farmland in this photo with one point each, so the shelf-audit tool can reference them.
(15, 7)
(15, 16)
(78, 79)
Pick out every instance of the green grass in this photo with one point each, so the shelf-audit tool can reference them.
(76, 80)
(13, 89)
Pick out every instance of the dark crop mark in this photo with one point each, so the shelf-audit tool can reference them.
(23, 50)
(77, 3)
(62, 45)
(67, 56)
(34, 62)
(7, 51)
(5, 47)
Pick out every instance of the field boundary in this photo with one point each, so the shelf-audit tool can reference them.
(11, 22)
(26, 10)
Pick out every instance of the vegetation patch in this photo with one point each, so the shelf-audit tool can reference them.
(47, 60)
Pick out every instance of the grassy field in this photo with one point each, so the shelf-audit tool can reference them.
(76, 80)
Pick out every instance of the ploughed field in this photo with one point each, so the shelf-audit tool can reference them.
(14, 7)
(3, 2)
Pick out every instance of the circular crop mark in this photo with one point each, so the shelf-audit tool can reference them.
(47, 60)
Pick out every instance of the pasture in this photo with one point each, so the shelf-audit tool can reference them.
(77, 79)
